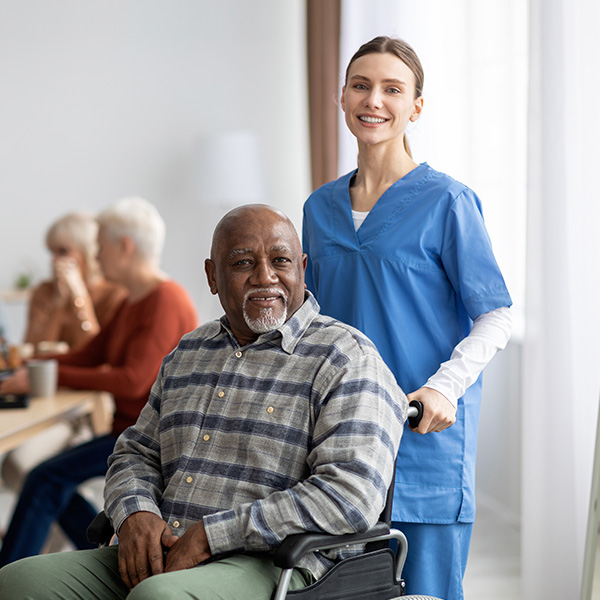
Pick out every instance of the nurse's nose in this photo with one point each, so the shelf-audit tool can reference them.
(374, 99)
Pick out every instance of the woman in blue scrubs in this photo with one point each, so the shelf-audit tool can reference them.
(401, 252)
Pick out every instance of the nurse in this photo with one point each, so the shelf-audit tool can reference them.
(401, 252)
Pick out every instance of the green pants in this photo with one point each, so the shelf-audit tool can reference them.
(94, 575)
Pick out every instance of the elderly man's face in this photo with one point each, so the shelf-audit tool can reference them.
(257, 268)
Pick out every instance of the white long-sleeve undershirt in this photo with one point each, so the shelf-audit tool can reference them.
(489, 334)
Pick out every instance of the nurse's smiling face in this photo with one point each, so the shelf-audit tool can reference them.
(379, 98)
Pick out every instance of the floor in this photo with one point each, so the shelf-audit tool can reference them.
(494, 569)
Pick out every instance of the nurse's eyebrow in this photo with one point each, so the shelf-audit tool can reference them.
(390, 80)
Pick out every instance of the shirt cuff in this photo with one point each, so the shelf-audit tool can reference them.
(445, 390)
(223, 533)
(129, 507)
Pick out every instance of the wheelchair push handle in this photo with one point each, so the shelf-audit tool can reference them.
(415, 413)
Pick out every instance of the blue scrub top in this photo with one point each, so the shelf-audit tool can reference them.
(412, 278)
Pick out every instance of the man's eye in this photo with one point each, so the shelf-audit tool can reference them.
(282, 259)
(242, 262)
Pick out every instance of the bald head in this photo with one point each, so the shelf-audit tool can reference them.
(256, 267)
(246, 216)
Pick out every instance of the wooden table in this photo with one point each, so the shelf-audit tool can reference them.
(19, 424)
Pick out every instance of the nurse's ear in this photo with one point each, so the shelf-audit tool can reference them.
(417, 109)
(343, 99)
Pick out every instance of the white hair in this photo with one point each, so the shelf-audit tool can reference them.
(79, 230)
(137, 219)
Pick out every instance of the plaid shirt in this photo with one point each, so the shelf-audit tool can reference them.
(295, 432)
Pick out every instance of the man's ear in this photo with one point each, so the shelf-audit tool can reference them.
(209, 268)
(304, 263)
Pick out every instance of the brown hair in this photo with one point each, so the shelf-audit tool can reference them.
(399, 48)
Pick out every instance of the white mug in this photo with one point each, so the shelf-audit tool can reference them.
(43, 376)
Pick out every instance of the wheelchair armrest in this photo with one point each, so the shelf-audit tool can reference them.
(100, 530)
(294, 547)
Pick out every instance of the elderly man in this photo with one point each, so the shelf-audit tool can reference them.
(271, 421)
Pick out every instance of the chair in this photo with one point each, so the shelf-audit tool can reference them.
(373, 575)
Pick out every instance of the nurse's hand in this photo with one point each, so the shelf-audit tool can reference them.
(438, 411)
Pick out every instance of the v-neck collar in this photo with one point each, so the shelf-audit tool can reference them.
(397, 197)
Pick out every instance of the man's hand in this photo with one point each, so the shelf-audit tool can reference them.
(188, 551)
(140, 549)
(438, 412)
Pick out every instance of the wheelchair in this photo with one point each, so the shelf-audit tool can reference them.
(374, 575)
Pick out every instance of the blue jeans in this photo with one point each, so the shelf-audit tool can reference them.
(50, 494)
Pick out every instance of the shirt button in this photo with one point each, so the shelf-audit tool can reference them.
(176, 524)
(221, 394)
(238, 354)
(190, 479)
(206, 437)
(270, 409)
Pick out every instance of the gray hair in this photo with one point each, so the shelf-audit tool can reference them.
(137, 219)
(79, 230)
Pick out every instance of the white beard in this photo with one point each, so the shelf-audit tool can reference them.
(266, 321)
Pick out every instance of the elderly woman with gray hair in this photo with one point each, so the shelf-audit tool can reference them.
(123, 359)
(74, 304)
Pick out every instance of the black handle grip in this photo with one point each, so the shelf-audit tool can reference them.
(415, 413)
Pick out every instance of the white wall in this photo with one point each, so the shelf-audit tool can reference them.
(105, 99)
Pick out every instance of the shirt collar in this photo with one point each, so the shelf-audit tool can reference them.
(291, 332)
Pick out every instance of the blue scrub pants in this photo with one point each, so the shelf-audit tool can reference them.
(437, 558)
(50, 494)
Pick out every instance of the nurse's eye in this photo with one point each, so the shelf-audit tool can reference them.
(393, 90)
(360, 86)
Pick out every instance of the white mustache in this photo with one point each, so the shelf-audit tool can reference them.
(266, 292)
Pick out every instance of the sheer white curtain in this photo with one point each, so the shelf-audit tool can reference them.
(485, 95)
(561, 380)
